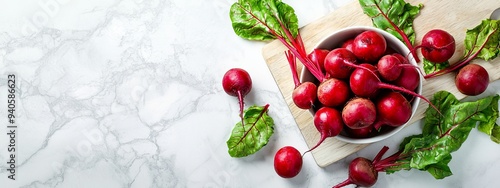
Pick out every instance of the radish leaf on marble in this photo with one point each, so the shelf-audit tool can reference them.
(253, 135)
(265, 20)
(262, 20)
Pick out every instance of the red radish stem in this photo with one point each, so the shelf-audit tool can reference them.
(328, 121)
(463, 61)
(293, 67)
(295, 45)
(406, 40)
(298, 50)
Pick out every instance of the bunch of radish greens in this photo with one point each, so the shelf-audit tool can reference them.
(447, 121)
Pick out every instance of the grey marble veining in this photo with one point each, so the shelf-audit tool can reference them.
(127, 93)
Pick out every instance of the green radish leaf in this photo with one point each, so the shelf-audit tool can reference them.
(484, 40)
(444, 134)
(487, 122)
(440, 170)
(253, 135)
(430, 67)
(495, 134)
(393, 16)
(261, 19)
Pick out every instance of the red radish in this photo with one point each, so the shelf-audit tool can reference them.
(389, 67)
(359, 113)
(348, 44)
(437, 46)
(318, 56)
(304, 95)
(472, 80)
(364, 172)
(340, 62)
(369, 46)
(408, 79)
(361, 173)
(359, 133)
(390, 51)
(237, 82)
(333, 92)
(392, 109)
(401, 58)
(287, 162)
(328, 122)
(371, 68)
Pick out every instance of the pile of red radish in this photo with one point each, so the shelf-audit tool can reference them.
(367, 89)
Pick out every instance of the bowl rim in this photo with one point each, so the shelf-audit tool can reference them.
(393, 40)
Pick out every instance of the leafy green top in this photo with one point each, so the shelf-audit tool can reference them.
(260, 19)
(393, 16)
(442, 135)
(254, 134)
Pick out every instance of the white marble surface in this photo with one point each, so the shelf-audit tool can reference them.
(127, 93)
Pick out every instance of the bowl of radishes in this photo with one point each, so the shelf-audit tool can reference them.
(372, 83)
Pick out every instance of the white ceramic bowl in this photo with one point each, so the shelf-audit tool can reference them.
(335, 40)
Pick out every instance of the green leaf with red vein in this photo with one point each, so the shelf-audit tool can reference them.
(393, 16)
(430, 67)
(257, 128)
(442, 135)
(260, 19)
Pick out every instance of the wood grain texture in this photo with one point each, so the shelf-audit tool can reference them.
(453, 16)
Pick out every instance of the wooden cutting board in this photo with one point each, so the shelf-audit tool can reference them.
(454, 16)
